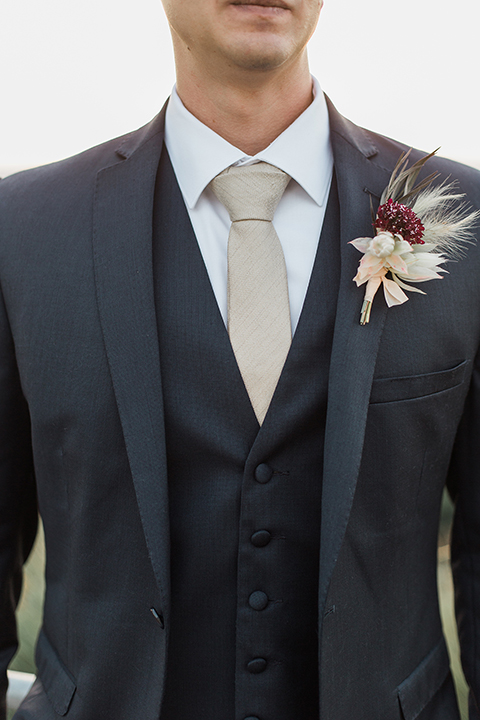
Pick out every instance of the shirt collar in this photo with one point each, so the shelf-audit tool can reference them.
(198, 153)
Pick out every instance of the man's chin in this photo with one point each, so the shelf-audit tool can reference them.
(258, 55)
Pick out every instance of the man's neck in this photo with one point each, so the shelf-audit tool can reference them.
(250, 115)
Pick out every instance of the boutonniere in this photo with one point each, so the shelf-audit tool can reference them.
(417, 228)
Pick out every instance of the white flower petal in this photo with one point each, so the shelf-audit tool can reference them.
(402, 247)
(394, 295)
(361, 278)
(361, 244)
(426, 247)
(428, 259)
(410, 288)
(397, 263)
(420, 274)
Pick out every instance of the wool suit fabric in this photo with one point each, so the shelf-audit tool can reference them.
(263, 658)
(83, 409)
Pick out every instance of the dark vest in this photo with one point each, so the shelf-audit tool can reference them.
(244, 501)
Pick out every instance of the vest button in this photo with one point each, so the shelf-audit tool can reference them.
(258, 600)
(260, 538)
(257, 666)
(263, 473)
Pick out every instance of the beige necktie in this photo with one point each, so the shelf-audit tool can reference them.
(258, 307)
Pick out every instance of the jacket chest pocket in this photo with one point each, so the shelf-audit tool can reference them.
(386, 390)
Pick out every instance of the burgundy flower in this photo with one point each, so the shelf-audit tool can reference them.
(400, 219)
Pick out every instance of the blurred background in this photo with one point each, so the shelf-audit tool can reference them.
(76, 74)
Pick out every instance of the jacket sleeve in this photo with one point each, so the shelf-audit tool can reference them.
(18, 507)
(464, 486)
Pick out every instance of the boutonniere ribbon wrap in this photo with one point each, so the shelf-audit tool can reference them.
(417, 229)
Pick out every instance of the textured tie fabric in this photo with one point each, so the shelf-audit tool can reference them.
(258, 307)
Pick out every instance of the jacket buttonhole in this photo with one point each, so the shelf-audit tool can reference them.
(158, 618)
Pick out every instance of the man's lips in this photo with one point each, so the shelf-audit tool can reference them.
(263, 3)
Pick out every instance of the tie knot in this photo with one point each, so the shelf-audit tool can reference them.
(250, 192)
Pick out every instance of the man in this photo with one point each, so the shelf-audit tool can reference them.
(220, 546)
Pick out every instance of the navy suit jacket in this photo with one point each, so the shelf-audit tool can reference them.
(81, 411)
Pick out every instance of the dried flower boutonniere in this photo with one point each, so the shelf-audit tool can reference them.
(417, 228)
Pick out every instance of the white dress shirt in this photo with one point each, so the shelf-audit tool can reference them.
(303, 151)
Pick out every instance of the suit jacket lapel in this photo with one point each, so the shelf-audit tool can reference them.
(124, 280)
(354, 348)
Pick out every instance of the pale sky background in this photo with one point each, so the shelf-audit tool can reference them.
(76, 73)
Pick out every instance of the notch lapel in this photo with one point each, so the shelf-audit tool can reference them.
(354, 348)
(122, 246)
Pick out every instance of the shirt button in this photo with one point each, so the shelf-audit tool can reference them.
(258, 600)
(263, 473)
(257, 666)
(260, 538)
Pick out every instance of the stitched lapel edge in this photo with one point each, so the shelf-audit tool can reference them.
(122, 247)
(355, 348)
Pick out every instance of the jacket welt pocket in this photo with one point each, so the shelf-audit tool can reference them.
(415, 386)
(57, 682)
(419, 688)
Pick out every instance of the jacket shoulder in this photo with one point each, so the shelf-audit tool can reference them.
(82, 165)
(384, 152)
(67, 181)
(468, 178)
